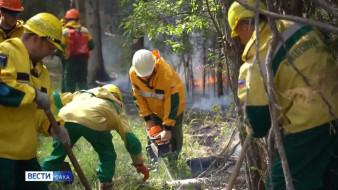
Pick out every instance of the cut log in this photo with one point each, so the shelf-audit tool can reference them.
(196, 183)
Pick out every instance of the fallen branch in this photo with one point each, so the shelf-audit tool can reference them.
(188, 183)
(224, 151)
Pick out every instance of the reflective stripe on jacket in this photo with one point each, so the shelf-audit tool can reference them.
(299, 106)
(163, 95)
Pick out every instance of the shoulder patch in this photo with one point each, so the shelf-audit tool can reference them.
(3, 60)
(241, 83)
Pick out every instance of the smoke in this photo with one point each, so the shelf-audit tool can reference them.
(207, 103)
(123, 82)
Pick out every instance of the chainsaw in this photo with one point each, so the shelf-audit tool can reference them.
(160, 148)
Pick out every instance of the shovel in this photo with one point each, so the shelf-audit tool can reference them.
(69, 151)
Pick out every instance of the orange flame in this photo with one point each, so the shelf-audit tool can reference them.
(211, 80)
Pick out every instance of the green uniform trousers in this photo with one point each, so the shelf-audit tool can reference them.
(312, 156)
(75, 73)
(101, 142)
(177, 137)
(12, 175)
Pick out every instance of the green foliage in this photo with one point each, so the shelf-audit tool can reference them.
(173, 19)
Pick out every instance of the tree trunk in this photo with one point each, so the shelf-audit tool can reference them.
(219, 77)
(204, 65)
(94, 26)
(218, 69)
(186, 75)
(74, 4)
(136, 45)
(191, 74)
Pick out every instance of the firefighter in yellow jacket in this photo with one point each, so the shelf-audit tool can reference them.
(93, 114)
(160, 97)
(10, 26)
(18, 138)
(311, 140)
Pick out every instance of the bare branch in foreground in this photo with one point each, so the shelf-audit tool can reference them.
(239, 163)
(272, 101)
(318, 24)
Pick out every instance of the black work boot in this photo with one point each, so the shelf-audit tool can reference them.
(106, 186)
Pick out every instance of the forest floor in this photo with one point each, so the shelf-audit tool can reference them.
(210, 139)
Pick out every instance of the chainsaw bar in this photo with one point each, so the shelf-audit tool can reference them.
(161, 161)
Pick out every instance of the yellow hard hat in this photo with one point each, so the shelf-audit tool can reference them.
(113, 89)
(237, 12)
(46, 25)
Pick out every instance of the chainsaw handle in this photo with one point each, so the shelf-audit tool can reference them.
(155, 138)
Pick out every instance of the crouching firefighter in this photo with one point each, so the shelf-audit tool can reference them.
(159, 94)
(92, 114)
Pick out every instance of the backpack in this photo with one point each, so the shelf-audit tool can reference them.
(78, 44)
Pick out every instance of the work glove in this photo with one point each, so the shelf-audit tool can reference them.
(165, 135)
(142, 169)
(63, 137)
(42, 99)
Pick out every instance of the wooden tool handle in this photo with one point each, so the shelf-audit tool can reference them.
(69, 151)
